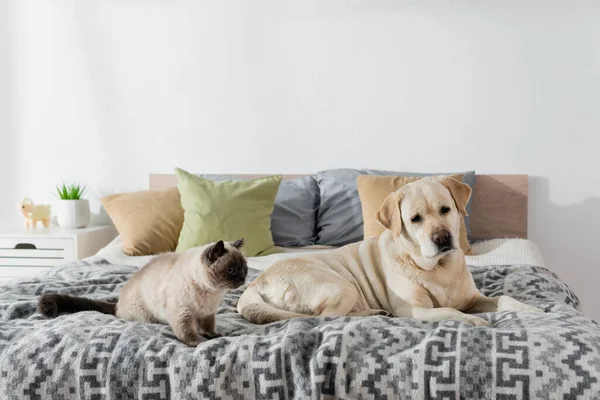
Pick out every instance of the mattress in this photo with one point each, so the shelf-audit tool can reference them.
(92, 355)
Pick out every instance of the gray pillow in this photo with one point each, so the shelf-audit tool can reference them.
(340, 214)
(294, 218)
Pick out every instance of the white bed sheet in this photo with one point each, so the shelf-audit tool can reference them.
(486, 253)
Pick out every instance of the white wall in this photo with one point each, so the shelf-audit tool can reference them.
(7, 179)
(107, 92)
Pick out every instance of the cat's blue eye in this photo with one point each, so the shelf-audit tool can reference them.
(231, 270)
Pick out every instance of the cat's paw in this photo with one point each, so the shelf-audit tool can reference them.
(193, 343)
(211, 335)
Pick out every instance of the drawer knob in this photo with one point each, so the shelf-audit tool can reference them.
(25, 246)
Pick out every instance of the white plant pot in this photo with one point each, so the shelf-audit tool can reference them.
(73, 214)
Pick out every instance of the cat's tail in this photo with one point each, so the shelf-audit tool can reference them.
(255, 309)
(50, 305)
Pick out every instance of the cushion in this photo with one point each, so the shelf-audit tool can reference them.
(294, 218)
(340, 214)
(374, 189)
(227, 210)
(148, 221)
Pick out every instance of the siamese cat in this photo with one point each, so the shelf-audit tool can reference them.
(181, 290)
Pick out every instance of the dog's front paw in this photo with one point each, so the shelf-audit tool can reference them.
(507, 303)
(473, 320)
(528, 308)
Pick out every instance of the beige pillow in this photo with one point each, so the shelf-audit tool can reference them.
(148, 221)
(374, 189)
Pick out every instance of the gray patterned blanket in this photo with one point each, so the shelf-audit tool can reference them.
(94, 356)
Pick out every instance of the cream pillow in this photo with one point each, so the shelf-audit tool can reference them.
(148, 221)
(374, 189)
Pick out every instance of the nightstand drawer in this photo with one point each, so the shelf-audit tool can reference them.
(35, 252)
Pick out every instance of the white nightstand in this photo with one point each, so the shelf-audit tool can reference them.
(26, 253)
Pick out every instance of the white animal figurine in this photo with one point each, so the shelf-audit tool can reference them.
(34, 213)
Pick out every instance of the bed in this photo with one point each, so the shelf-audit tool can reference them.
(91, 355)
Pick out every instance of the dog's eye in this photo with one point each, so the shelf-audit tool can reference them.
(230, 270)
(445, 210)
(416, 219)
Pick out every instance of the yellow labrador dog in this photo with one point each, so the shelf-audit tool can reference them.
(415, 269)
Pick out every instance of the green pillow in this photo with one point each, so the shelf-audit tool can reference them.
(227, 210)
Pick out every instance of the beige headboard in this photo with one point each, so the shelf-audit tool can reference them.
(499, 203)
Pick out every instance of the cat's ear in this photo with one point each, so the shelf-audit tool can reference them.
(215, 251)
(238, 244)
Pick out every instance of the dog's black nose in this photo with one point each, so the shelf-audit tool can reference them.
(442, 239)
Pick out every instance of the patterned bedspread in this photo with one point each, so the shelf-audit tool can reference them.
(95, 356)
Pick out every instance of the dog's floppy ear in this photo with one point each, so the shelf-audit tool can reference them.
(389, 214)
(461, 192)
